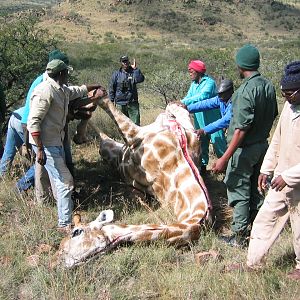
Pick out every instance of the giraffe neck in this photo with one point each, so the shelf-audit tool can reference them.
(126, 127)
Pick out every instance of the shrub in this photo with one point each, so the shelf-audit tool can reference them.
(169, 83)
(24, 52)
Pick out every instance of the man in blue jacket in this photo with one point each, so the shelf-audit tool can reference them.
(123, 90)
(221, 101)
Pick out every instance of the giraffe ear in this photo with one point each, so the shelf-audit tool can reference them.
(106, 216)
(77, 219)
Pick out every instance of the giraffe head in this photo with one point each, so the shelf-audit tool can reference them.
(175, 110)
(84, 242)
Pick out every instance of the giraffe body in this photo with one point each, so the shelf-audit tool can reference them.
(153, 160)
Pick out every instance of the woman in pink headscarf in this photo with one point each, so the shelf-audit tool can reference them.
(204, 87)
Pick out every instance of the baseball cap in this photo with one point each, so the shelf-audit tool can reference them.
(55, 66)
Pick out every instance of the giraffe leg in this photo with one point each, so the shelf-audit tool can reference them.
(126, 127)
(177, 234)
(80, 135)
(110, 150)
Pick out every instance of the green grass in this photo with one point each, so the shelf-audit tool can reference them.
(141, 271)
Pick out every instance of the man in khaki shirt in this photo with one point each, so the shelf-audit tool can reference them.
(46, 121)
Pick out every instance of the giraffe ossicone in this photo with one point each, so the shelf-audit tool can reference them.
(158, 159)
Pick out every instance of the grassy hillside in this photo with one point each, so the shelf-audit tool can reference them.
(163, 36)
(202, 23)
(8, 6)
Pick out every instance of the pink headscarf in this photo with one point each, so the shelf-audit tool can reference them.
(198, 66)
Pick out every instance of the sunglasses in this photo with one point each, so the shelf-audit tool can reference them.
(289, 94)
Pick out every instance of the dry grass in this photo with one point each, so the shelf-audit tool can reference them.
(140, 271)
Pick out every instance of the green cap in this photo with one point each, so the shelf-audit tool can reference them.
(248, 57)
(57, 54)
(55, 66)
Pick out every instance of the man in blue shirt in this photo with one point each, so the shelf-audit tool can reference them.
(221, 101)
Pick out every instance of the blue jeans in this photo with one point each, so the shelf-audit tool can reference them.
(14, 140)
(63, 181)
(27, 180)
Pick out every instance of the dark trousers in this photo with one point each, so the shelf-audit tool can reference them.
(132, 111)
(241, 181)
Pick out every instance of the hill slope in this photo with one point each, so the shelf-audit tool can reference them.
(190, 21)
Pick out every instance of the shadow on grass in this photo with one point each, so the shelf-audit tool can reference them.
(285, 261)
(100, 185)
(222, 213)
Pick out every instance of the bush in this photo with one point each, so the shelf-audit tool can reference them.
(24, 52)
(169, 83)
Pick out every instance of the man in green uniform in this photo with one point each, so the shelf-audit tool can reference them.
(2, 116)
(254, 109)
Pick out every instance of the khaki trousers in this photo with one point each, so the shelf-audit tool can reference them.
(43, 185)
(269, 222)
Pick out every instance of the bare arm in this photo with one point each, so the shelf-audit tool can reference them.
(236, 141)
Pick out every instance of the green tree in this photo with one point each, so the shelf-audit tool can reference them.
(23, 54)
(169, 83)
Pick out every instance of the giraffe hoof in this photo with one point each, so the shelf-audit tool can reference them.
(79, 140)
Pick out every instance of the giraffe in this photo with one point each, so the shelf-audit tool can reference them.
(156, 158)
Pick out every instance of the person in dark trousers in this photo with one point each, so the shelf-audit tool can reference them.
(123, 89)
(254, 109)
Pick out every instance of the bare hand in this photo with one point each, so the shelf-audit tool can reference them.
(220, 165)
(262, 184)
(278, 183)
(179, 103)
(41, 156)
(133, 66)
(98, 93)
(200, 132)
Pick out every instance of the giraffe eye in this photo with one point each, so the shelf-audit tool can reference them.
(103, 217)
(77, 231)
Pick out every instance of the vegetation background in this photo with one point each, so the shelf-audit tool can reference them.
(163, 36)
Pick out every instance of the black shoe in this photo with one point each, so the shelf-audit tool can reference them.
(235, 241)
